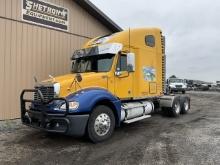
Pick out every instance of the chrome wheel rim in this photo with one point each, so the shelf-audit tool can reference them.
(177, 108)
(102, 124)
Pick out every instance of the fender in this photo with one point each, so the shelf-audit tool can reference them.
(89, 97)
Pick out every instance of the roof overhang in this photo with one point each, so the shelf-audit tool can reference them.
(98, 14)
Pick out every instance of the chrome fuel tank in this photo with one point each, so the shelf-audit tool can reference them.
(132, 110)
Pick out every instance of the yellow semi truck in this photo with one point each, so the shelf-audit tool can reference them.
(115, 79)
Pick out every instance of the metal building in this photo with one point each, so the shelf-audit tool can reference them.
(37, 38)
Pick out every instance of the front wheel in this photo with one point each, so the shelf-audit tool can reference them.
(101, 124)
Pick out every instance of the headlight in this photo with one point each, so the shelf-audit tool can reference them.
(72, 105)
(56, 88)
(184, 86)
(172, 86)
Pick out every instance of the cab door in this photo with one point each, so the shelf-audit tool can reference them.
(123, 78)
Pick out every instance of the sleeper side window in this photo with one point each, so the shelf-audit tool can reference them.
(150, 40)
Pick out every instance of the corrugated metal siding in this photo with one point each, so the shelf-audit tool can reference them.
(81, 22)
(28, 50)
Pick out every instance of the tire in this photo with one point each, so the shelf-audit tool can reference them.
(176, 108)
(185, 105)
(101, 124)
(171, 91)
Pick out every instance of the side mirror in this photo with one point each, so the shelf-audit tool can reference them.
(73, 65)
(131, 62)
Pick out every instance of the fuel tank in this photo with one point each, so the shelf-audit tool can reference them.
(132, 110)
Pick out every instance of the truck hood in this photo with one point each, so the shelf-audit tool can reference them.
(68, 85)
(177, 84)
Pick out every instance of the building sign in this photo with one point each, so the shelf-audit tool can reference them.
(46, 14)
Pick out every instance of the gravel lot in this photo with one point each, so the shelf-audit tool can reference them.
(190, 139)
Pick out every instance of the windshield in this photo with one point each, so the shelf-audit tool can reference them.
(95, 63)
(176, 81)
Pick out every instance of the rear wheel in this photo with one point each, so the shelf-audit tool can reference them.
(176, 108)
(101, 124)
(173, 111)
(185, 105)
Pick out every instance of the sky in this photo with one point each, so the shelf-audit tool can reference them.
(191, 27)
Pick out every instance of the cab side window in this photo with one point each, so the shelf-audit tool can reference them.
(122, 63)
(150, 40)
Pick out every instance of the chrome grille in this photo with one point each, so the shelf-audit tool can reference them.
(178, 86)
(47, 92)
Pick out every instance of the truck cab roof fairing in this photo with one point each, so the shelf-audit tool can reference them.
(111, 48)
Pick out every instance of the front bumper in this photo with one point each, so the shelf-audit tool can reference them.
(177, 89)
(65, 123)
(74, 125)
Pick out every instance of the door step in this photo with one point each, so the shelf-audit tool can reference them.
(137, 119)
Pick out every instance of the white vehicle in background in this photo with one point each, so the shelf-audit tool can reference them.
(177, 85)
